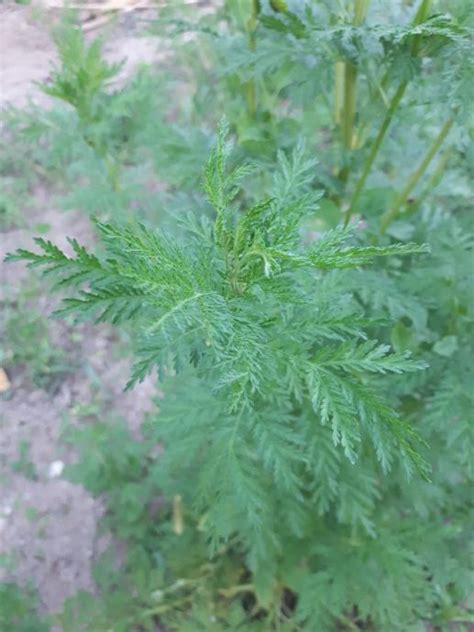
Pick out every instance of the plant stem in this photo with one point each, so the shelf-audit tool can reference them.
(178, 521)
(392, 213)
(230, 593)
(432, 182)
(250, 88)
(113, 170)
(349, 99)
(338, 91)
(394, 103)
(348, 116)
(157, 610)
(360, 11)
(420, 16)
(350, 96)
(347, 621)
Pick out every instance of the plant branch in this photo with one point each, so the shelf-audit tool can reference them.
(432, 182)
(420, 16)
(392, 213)
(349, 91)
(250, 88)
(230, 593)
(338, 91)
(350, 96)
(394, 103)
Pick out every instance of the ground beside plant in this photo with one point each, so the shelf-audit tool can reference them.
(48, 526)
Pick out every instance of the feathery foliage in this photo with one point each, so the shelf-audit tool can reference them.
(265, 365)
(311, 477)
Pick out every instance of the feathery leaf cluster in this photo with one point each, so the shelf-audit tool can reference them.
(295, 438)
(269, 401)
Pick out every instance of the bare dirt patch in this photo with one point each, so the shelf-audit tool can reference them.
(48, 526)
(27, 51)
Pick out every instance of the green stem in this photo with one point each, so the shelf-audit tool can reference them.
(230, 593)
(394, 103)
(250, 88)
(392, 213)
(113, 172)
(348, 622)
(432, 182)
(112, 167)
(420, 16)
(338, 91)
(350, 96)
(349, 107)
(360, 11)
(151, 612)
(349, 112)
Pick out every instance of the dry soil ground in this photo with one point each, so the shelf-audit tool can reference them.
(48, 526)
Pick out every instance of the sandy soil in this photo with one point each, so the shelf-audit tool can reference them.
(48, 526)
(27, 52)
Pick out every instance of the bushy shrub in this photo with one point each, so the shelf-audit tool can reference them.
(313, 351)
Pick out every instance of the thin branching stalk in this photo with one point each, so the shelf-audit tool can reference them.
(113, 172)
(397, 97)
(402, 198)
(349, 99)
(250, 87)
(431, 183)
(420, 16)
(360, 11)
(232, 591)
(338, 91)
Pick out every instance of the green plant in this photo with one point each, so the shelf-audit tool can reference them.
(268, 400)
(81, 81)
(279, 495)
(23, 464)
(17, 610)
(91, 145)
(9, 211)
(26, 340)
(344, 76)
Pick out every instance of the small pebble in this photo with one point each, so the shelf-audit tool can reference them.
(55, 469)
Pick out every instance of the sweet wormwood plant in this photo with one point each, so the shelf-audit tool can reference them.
(372, 551)
(89, 144)
(277, 425)
(346, 75)
(81, 80)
